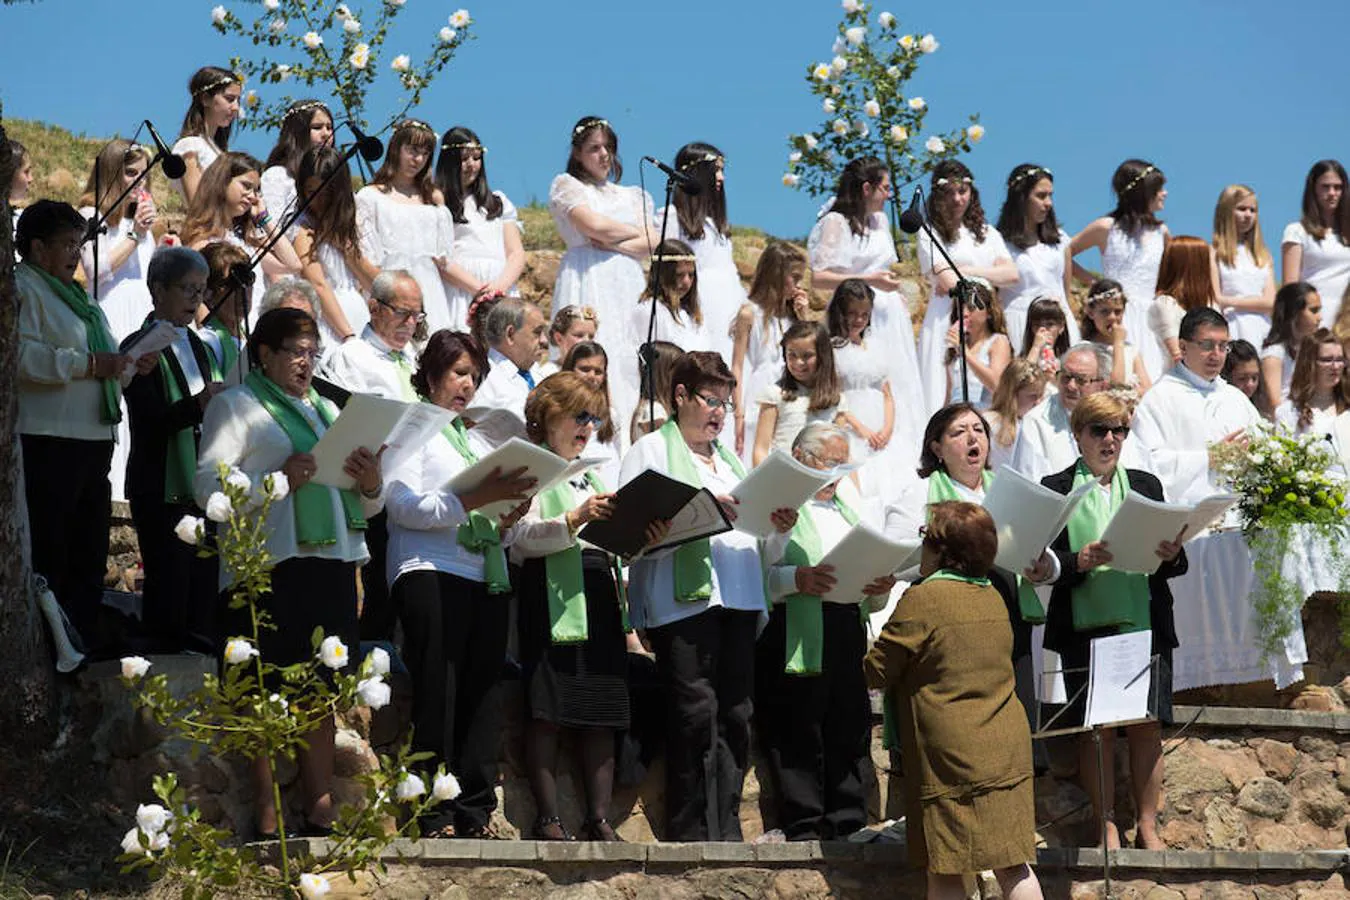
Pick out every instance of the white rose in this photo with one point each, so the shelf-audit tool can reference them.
(401, 63)
(283, 71)
(886, 20)
(277, 25)
(277, 485)
(352, 26)
(219, 14)
(929, 44)
(409, 787)
(131, 842)
(189, 529)
(134, 667)
(152, 818)
(373, 692)
(447, 35)
(313, 40)
(460, 18)
(838, 65)
(893, 71)
(279, 702)
(975, 133)
(850, 6)
(872, 108)
(899, 134)
(377, 661)
(810, 141)
(840, 127)
(828, 105)
(236, 478)
(272, 5)
(341, 11)
(917, 103)
(855, 35)
(444, 786)
(333, 652)
(360, 56)
(907, 41)
(934, 145)
(790, 179)
(397, 2)
(795, 156)
(313, 886)
(821, 72)
(218, 507)
(238, 650)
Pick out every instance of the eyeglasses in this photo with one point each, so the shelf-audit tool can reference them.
(69, 246)
(193, 292)
(716, 402)
(297, 353)
(1080, 380)
(1331, 361)
(404, 315)
(1100, 431)
(1209, 345)
(584, 418)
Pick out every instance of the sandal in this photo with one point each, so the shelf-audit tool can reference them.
(599, 829)
(550, 828)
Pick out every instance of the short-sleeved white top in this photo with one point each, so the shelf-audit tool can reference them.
(1326, 266)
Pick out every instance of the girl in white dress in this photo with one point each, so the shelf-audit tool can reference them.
(678, 314)
(330, 247)
(777, 299)
(1103, 314)
(605, 226)
(853, 240)
(403, 223)
(987, 348)
(978, 251)
(1020, 389)
(125, 248)
(651, 412)
(307, 123)
(1187, 280)
(1246, 274)
(1319, 394)
(1297, 314)
(700, 220)
(1131, 241)
(1316, 248)
(206, 126)
(1046, 338)
(808, 390)
(1039, 248)
(489, 254)
(571, 326)
(228, 205)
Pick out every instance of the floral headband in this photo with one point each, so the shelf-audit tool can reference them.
(1033, 172)
(572, 311)
(307, 106)
(674, 257)
(415, 123)
(588, 124)
(464, 145)
(964, 179)
(1114, 293)
(1134, 182)
(217, 83)
(703, 158)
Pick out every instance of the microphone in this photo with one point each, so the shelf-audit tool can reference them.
(911, 220)
(371, 148)
(171, 163)
(688, 184)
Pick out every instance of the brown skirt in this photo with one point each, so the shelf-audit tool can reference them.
(959, 833)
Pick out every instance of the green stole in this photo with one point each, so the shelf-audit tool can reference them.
(693, 561)
(480, 533)
(405, 372)
(97, 339)
(1105, 597)
(805, 612)
(314, 523)
(229, 350)
(940, 488)
(180, 462)
(564, 579)
(949, 575)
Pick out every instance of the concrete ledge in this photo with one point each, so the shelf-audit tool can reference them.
(1257, 717)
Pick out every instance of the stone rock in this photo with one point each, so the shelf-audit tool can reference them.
(1223, 744)
(1316, 698)
(1225, 890)
(1183, 834)
(1225, 827)
(1323, 805)
(1344, 689)
(1319, 749)
(799, 885)
(357, 719)
(734, 883)
(1277, 838)
(1266, 892)
(1264, 797)
(454, 892)
(212, 774)
(1186, 772)
(586, 890)
(1158, 892)
(364, 885)
(1238, 765)
(1277, 757)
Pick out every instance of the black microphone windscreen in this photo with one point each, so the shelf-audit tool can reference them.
(173, 166)
(371, 149)
(911, 220)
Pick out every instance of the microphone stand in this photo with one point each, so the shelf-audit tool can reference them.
(957, 294)
(100, 223)
(654, 290)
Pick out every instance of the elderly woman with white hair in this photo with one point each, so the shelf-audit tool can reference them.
(290, 292)
(810, 696)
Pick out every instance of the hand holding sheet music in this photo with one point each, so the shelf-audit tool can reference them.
(1141, 524)
(375, 422)
(1028, 516)
(547, 468)
(861, 557)
(778, 482)
(693, 513)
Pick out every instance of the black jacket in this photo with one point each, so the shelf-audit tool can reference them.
(1059, 630)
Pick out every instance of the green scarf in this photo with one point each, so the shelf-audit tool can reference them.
(480, 533)
(805, 612)
(940, 488)
(97, 338)
(1105, 597)
(314, 523)
(405, 376)
(564, 579)
(949, 575)
(229, 350)
(693, 561)
(180, 462)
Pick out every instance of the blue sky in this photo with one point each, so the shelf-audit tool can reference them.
(1214, 92)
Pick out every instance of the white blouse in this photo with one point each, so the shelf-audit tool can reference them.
(1040, 273)
(203, 148)
(481, 237)
(1326, 266)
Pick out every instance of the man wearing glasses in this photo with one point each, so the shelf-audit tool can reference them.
(1045, 443)
(1191, 408)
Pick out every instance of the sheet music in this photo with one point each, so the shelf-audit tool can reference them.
(861, 557)
(1140, 524)
(160, 336)
(374, 422)
(1119, 678)
(779, 481)
(700, 517)
(1028, 516)
(545, 466)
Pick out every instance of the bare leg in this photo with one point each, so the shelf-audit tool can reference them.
(946, 887)
(316, 773)
(1018, 883)
(264, 801)
(1102, 790)
(1146, 778)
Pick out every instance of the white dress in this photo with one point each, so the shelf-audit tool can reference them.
(412, 236)
(203, 148)
(1326, 266)
(863, 372)
(480, 247)
(1040, 273)
(720, 292)
(978, 393)
(1133, 260)
(1280, 352)
(762, 366)
(796, 414)
(278, 190)
(833, 247)
(624, 383)
(347, 289)
(965, 251)
(1245, 279)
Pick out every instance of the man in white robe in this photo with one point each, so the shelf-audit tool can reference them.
(381, 360)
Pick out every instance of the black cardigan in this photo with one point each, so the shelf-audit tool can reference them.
(1059, 630)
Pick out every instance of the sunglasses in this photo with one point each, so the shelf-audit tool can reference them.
(584, 418)
(1100, 431)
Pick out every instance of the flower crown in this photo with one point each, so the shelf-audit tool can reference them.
(700, 159)
(216, 83)
(573, 311)
(1033, 172)
(1114, 293)
(464, 145)
(964, 179)
(1134, 182)
(588, 124)
(305, 106)
(415, 123)
(674, 257)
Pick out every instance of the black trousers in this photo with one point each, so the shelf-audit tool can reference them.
(815, 729)
(707, 666)
(178, 604)
(454, 640)
(377, 611)
(69, 504)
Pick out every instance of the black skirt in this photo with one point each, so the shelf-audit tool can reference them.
(582, 685)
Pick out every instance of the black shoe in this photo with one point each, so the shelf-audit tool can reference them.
(550, 828)
(599, 829)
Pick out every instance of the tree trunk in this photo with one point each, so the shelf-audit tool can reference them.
(28, 701)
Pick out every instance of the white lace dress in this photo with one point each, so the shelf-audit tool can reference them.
(480, 247)
(976, 390)
(1133, 260)
(762, 366)
(347, 289)
(1326, 266)
(720, 292)
(863, 372)
(204, 149)
(964, 251)
(412, 236)
(833, 247)
(1245, 279)
(1040, 273)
